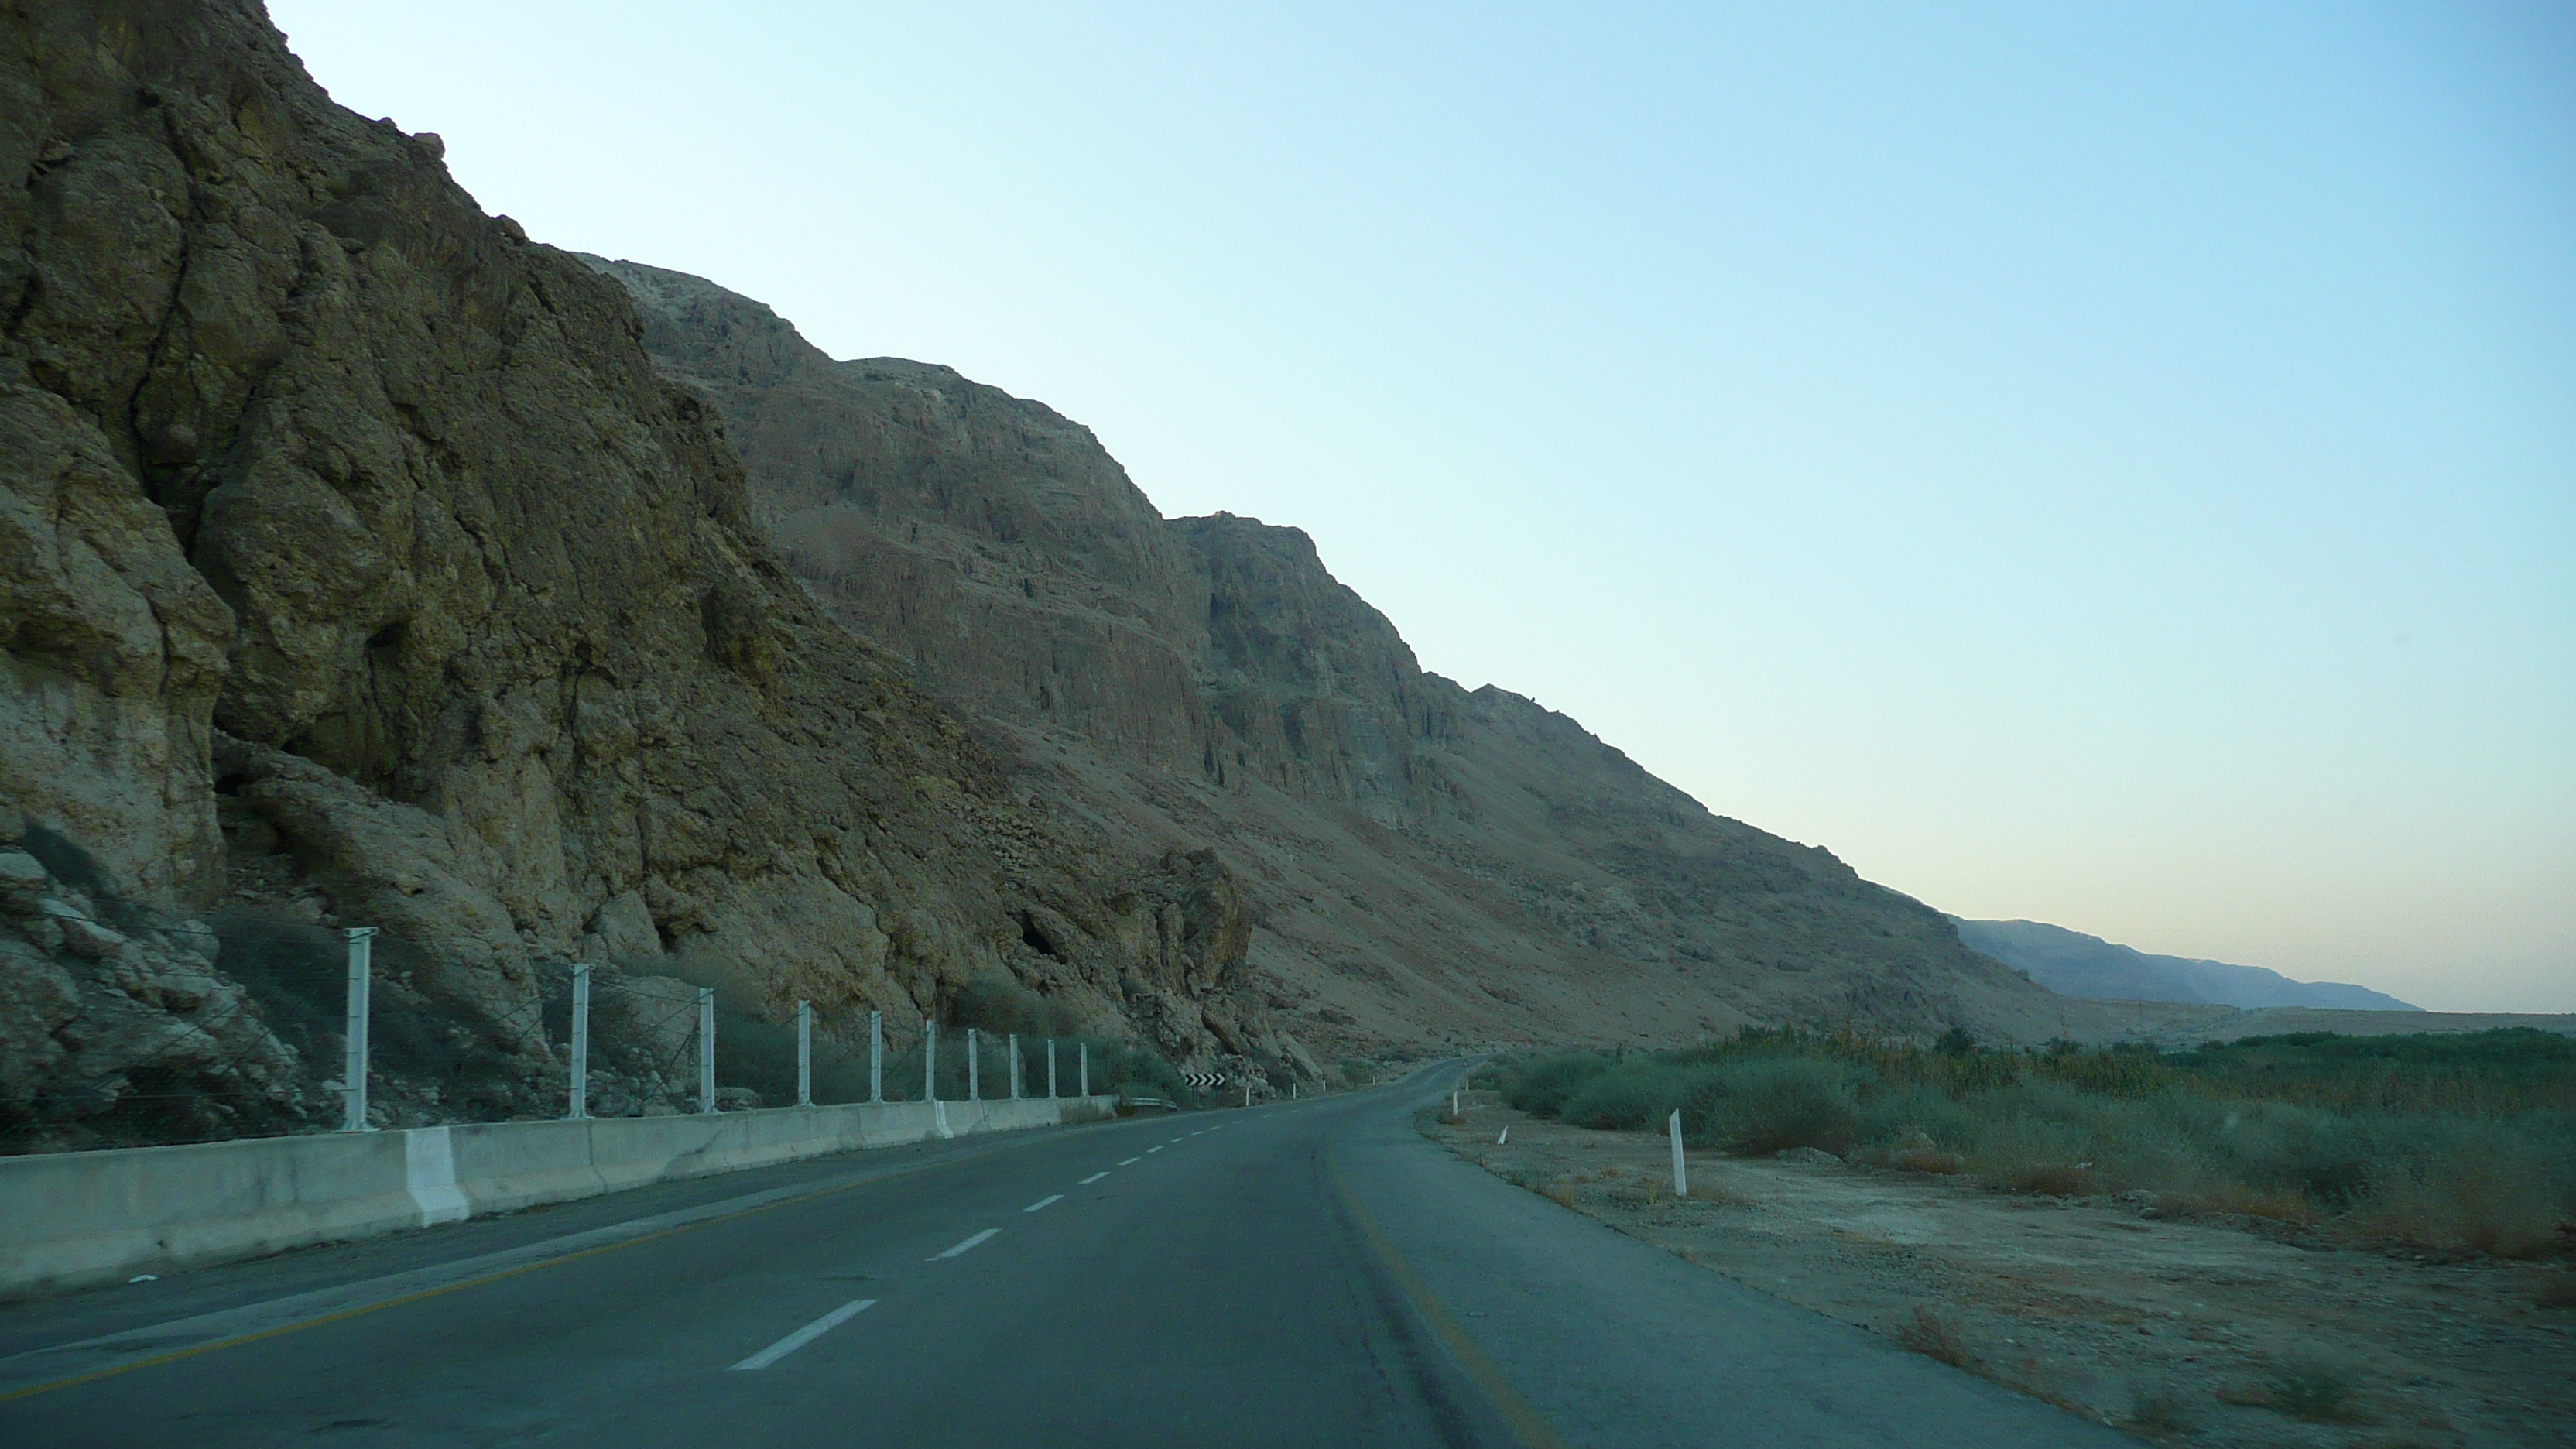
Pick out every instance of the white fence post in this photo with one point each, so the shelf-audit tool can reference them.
(929, 1060)
(876, 1056)
(1050, 1069)
(1015, 1066)
(353, 1062)
(580, 1042)
(706, 1049)
(1681, 1174)
(804, 1054)
(1086, 1067)
(974, 1083)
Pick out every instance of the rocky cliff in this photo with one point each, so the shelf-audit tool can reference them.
(368, 563)
(361, 568)
(1424, 861)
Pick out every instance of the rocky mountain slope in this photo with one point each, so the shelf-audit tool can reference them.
(362, 569)
(2074, 964)
(1424, 861)
(371, 564)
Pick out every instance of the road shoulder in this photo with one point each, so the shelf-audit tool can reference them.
(2101, 1307)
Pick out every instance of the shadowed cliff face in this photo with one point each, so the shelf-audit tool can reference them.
(1423, 861)
(363, 568)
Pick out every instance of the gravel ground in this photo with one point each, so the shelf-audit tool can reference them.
(2203, 1332)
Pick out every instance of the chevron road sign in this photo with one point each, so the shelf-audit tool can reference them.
(1204, 1081)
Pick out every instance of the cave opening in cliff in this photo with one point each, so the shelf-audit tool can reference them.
(1034, 936)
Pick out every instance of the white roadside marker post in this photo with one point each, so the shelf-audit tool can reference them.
(1681, 1174)
(1015, 1066)
(876, 1056)
(804, 1054)
(1247, 1091)
(974, 1053)
(353, 1057)
(1086, 1067)
(929, 1060)
(1050, 1069)
(1453, 1104)
(706, 1049)
(580, 1102)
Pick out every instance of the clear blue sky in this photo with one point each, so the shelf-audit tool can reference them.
(2108, 465)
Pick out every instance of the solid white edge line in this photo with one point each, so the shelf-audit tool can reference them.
(803, 1336)
(1042, 1202)
(962, 1247)
(1088, 1181)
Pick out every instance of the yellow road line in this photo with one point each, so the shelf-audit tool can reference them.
(1527, 1424)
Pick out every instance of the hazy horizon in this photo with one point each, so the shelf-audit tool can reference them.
(2108, 468)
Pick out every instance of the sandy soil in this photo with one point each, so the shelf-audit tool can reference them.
(2095, 1304)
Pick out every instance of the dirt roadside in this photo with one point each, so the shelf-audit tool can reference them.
(2216, 1332)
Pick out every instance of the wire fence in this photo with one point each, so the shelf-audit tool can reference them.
(248, 1025)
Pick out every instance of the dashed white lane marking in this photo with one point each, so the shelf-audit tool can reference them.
(962, 1247)
(1157, 1147)
(803, 1336)
(1131, 1162)
(1095, 1177)
(1180, 1139)
(1042, 1202)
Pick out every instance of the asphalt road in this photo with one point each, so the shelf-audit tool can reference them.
(1312, 1273)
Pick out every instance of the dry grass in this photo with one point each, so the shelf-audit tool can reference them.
(1932, 1336)
(2158, 1412)
(2461, 1143)
(2052, 1179)
(1919, 1153)
(2473, 1204)
(2556, 1290)
(2274, 1204)
(2303, 1389)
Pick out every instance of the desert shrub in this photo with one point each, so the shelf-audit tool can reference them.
(2307, 1389)
(1917, 1152)
(995, 1002)
(2158, 1411)
(2505, 1191)
(1768, 1105)
(1540, 1085)
(2465, 1141)
(1929, 1334)
(1631, 1095)
(2555, 1290)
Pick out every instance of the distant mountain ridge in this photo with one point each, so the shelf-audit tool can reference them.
(2074, 964)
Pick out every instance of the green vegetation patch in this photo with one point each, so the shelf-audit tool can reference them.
(2465, 1142)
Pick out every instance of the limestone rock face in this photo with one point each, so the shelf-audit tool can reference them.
(363, 569)
(1418, 861)
(106, 1010)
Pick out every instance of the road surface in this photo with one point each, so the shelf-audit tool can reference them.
(1312, 1273)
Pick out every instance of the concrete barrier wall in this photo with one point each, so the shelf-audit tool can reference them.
(73, 1218)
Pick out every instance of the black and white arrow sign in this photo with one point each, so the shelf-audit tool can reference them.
(1204, 1081)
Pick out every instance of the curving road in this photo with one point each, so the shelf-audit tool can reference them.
(1306, 1274)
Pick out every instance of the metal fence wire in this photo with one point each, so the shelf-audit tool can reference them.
(242, 1026)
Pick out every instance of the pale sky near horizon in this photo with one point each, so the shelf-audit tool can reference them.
(2108, 465)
